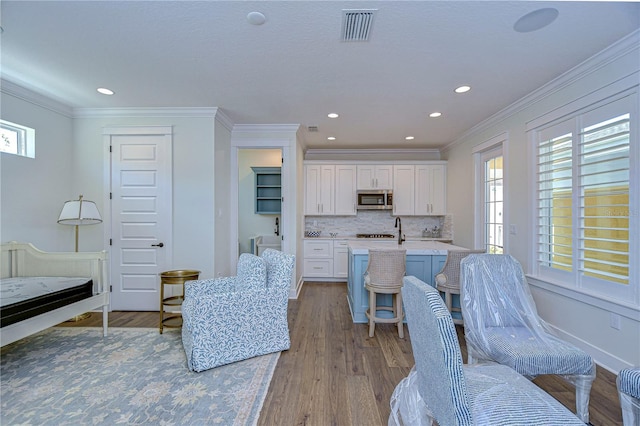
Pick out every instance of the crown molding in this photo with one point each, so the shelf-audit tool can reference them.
(224, 119)
(145, 112)
(622, 47)
(261, 128)
(13, 89)
(373, 155)
(370, 151)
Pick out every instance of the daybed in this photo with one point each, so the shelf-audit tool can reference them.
(40, 289)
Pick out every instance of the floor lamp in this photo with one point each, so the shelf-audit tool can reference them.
(78, 213)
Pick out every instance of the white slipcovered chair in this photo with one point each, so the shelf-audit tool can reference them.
(440, 388)
(628, 383)
(234, 318)
(502, 325)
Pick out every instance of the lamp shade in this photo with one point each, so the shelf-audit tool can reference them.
(79, 212)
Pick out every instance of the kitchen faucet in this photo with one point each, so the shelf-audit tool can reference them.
(399, 226)
(277, 227)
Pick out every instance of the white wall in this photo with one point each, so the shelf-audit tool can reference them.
(581, 319)
(193, 176)
(33, 190)
(251, 224)
(222, 210)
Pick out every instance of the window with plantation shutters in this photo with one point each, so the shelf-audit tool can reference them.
(603, 184)
(584, 204)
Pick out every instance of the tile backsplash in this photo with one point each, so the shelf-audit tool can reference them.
(378, 222)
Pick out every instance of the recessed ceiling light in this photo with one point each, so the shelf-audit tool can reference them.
(332, 115)
(409, 138)
(462, 89)
(105, 91)
(536, 20)
(256, 18)
(435, 114)
(331, 138)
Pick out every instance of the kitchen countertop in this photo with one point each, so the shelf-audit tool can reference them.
(412, 247)
(354, 238)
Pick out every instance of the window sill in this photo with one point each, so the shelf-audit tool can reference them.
(628, 310)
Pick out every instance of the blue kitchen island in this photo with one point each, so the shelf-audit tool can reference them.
(424, 260)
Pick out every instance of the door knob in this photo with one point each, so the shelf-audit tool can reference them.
(157, 245)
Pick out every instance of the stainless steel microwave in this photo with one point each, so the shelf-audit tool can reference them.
(375, 200)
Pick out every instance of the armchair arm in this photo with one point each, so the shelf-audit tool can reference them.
(200, 288)
(231, 315)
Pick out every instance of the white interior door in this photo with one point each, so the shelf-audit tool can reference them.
(141, 200)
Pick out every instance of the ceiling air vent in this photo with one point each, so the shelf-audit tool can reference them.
(312, 128)
(356, 24)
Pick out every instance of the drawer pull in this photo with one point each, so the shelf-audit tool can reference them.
(317, 267)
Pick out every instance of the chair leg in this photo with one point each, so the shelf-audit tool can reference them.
(583, 391)
(399, 315)
(372, 313)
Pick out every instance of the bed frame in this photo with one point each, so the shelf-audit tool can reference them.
(24, 260)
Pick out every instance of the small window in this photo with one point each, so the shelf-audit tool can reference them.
(17, 139)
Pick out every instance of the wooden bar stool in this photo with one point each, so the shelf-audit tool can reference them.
(176, 277)
(384, 276)
(448, 281)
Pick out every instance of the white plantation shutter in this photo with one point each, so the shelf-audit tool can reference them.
(604, 200)
(586, 233)
(554, 197)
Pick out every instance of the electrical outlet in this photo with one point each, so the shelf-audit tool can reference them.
(614, 321)
(513, 230)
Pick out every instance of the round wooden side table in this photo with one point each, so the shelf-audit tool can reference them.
(175, 277)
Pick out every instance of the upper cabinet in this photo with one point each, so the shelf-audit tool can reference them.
(375, 176)
(345, 190)
(319, 184)
(329, 189)
(403, 190)
(430, 190)
(419, 190)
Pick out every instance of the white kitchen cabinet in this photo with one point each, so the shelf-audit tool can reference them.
(430, 190)
(318, 258)
(403, 190)
(375, 176)
(319, 194)
(345, 190)
(340, 259)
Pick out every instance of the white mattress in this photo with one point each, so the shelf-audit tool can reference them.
(18, 289)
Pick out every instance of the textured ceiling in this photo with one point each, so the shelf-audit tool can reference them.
(294, 69)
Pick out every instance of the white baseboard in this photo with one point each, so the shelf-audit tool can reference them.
(601, 357)
(295, 292)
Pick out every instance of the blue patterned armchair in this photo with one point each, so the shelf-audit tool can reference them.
(502, 325)
(441, 388)
(234, 318)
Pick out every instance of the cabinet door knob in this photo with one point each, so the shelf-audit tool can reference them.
(157, 245)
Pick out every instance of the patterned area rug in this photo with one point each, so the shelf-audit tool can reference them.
(74, 376)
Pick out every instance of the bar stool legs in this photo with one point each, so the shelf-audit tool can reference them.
(398, 314)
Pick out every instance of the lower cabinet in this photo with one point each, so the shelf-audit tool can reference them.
(318, 258)
(340, 259)
(324, 258)
(424, 267)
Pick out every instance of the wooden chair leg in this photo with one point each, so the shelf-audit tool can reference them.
(372, 313)
(400, 315)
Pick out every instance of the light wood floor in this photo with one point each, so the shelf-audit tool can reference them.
(334, 374)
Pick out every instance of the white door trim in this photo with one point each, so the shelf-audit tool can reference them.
(283, 144)
(107, 133)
